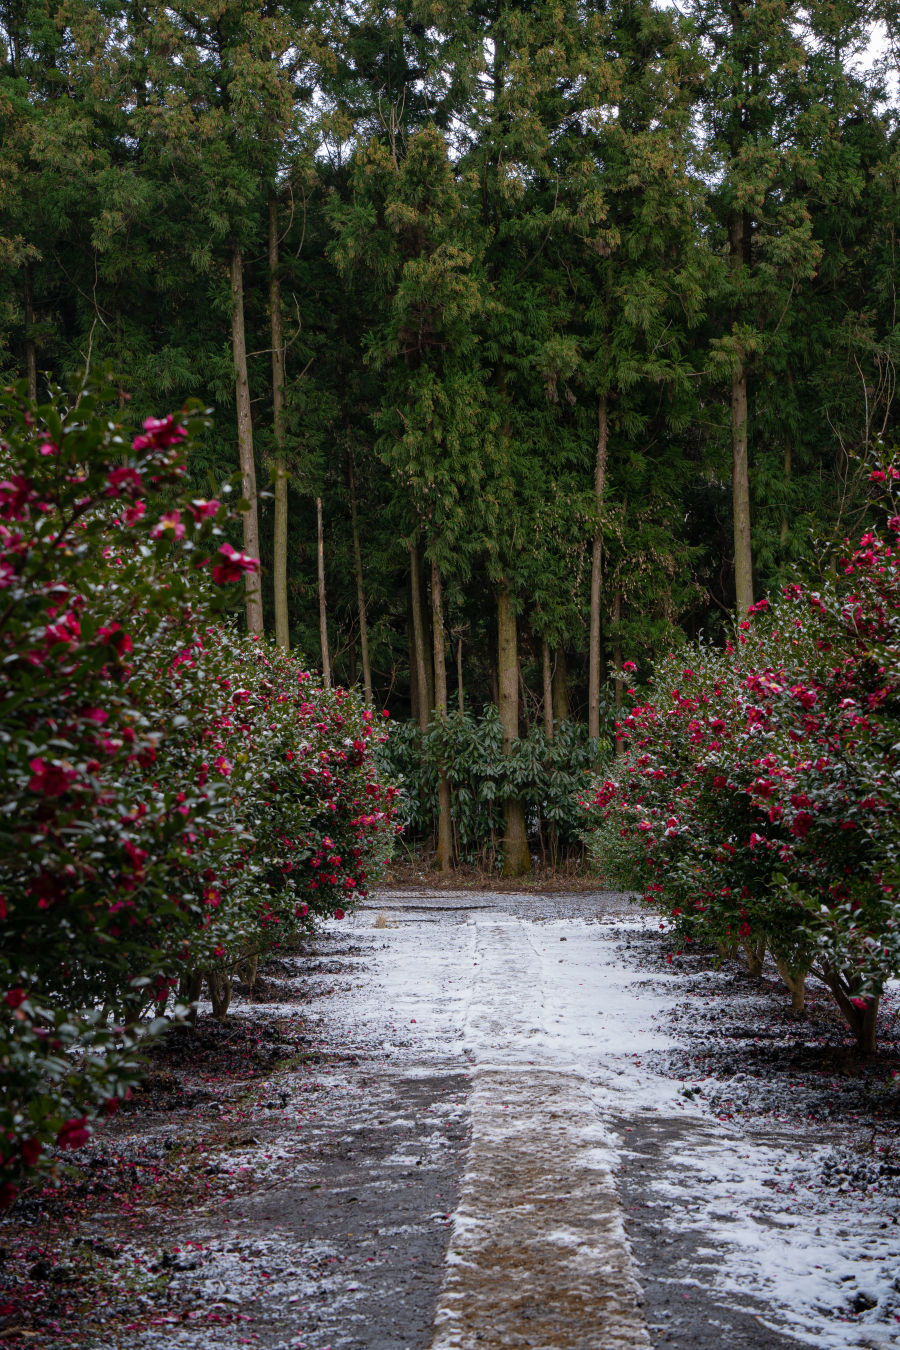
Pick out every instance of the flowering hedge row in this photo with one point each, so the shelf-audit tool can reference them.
(174, 797)
(758, 798)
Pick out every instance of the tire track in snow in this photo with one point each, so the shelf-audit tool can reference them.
(538, 1255)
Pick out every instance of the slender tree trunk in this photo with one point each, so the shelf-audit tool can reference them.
(560, 687)
(548, 689)
(30, 349)
(445, 829)
(459, 676)
(739, 241)
(785, 519)
(245, 440)
(418, 635)
(323, 609)
(516, 857)
(617, 659)
(596, 572)
(413, 672)
(360, 588)
(863, 1022)
(279, 565)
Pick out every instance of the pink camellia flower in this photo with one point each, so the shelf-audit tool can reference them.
(124, 480)
(114, 636)
(861, 1003)
(629, 666)
(133, 514)
(168, 523)
(201, 509)
(233, 566)
(75, 1133)
(50, 779)
(14, 998)
(7, 574)
(48, 448)
(159, 433)
(223, 765)
(16, 495)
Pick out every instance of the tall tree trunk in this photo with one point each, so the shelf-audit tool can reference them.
(459, 676)
(596, 571)
(739, 242)
(279, 566)
(548, 688)
(323, 610)
(30, 349)
(560, 687)
(617, 659)
(360, 588)
(413, 673)
(245, 440)
(415, 585)
(785, 519)
(516, 857)
(445, 829)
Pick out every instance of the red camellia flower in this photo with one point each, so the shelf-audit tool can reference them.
(16, 495)
(31, 1150)
(114, 636)
(201, 509)
(50, 779)
(75, 1133)
(159, 433)
(14, 998)
(8, 1193)
(339, 914)
(233, 566)
(170, 524)
(124, 480)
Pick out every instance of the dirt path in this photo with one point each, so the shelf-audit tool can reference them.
(491, 1121)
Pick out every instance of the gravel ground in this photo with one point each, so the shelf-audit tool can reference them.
(307, 1174)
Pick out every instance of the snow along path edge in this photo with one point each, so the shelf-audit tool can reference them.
(538, 1255)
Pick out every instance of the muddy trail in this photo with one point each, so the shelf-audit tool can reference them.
(482, 1120)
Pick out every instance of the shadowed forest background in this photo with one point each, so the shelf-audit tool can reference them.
(540, 333)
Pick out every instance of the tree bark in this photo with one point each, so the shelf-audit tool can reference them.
(785, 519)
(445, 828)
(739, 240)
(424, 703)
(279, 541)
(360, 588)
(30, 349)
(323, 609)
(548, 689)
(516, 857)
(560, 687)
(862, 1022)
(245, 441)
(596, 572)
(617, 660)
(795, 981)
(459, 676)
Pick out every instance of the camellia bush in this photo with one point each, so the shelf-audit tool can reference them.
(176, 797)
(757, 801)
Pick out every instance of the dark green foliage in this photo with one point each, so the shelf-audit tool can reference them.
(548, 775)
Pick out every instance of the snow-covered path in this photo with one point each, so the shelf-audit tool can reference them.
(506, 1121)
(562, 1039)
